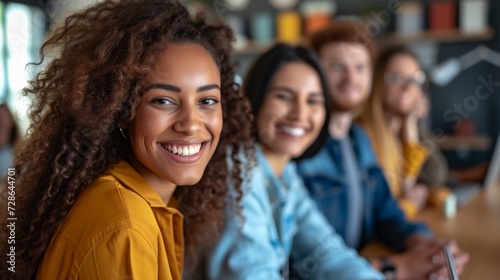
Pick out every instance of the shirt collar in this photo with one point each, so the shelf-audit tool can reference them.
(279, 186)
(134, 181)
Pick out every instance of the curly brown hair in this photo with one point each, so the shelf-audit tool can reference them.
(94, 81)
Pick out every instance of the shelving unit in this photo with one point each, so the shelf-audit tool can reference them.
(448, 36)
(477, 143)
(252, 48)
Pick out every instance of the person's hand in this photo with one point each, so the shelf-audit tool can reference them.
(417, 194)
(460, 259)
(422, 246)
(417, 263)
(409, 132)
(422, 107)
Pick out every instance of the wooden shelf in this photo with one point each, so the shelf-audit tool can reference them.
(449, 36)
(477, 143)
(445, 36)
(252, 48)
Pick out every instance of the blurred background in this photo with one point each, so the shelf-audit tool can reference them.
(456, 40)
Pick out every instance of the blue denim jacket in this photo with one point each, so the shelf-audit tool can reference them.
(325, 180)
(280, 222)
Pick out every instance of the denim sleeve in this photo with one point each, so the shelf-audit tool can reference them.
(244, 250)
(318, 252)
(391, 226)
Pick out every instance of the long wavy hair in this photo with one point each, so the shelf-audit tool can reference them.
(100, 59)
(373, 118)
(261, 73)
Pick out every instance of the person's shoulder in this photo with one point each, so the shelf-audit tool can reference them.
(323, 162)
(319, 157)
(290, 173)
(255, 182)
(363, 146)
(358, 133)
(103, 208)
(115, 197)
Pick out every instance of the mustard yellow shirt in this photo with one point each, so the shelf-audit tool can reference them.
(119, 228)
(406, 161)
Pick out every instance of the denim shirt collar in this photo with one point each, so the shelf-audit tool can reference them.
(325, 161)
(277, 187)
(360, 145)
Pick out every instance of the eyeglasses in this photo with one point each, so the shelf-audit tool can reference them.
(418, 79)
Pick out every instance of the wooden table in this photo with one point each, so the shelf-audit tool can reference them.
(476, 228)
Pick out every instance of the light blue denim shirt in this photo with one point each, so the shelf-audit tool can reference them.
(280, 222)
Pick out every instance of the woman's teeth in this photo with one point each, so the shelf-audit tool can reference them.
(186, 151)
(295, 131)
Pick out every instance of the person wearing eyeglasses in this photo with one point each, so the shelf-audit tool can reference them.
(390, 116)
(344, 177)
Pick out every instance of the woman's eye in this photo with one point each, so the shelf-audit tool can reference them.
(361, 68)
(283, 97)
(209, 101)
(315, 101)
(162, 101)
(400, 80)
(336, 67)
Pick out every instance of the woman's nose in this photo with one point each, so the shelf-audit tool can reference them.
(188, 120)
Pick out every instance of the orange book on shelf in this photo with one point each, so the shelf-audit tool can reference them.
(316, 22)
(317, 14)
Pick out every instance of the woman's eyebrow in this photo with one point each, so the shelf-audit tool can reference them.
(314, 94)
(178, 90)
(282, 88)
(165, 87)
(291, 91)
(208, 87)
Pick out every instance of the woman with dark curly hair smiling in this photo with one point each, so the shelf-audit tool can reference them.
(138, 98)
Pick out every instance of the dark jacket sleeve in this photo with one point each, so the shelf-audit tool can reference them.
(389, 222)
(391, 226)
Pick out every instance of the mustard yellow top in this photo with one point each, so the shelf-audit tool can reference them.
(414, 156)
(119, 228)
(406, 162)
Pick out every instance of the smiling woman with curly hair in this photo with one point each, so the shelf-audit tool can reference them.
(138, 98)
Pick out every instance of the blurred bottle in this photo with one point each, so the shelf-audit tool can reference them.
(288, 27)
(317, 14)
